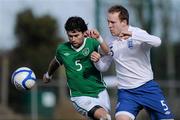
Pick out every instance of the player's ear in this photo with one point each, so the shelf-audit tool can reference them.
(124, 22)
(85, 34)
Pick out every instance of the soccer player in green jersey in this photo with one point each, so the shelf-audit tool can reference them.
(87, 89)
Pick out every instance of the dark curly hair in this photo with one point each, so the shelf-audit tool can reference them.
(75, 23)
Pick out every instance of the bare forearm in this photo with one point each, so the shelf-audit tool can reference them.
(53, 66)
(103, 45)
(95, 34)
(105, 48)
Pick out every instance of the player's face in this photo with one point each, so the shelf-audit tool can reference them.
(76, 38)
(115, 24)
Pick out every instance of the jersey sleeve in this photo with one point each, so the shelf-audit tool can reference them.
(95, 44)
(58, 55)
(104, 63)
(143, 36)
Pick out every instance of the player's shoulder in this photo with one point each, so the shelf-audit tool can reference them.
(63, 45)
(113, 41)
(137, 29)
(89, 39)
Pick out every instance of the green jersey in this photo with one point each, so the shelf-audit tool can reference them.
(82, 77)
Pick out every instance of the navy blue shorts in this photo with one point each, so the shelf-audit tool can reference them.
(148, 96)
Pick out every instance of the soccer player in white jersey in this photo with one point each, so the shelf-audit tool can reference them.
(131, 53)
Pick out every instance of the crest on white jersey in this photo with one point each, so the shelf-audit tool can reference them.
(130, 44)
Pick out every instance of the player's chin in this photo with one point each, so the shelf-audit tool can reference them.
(113, 33)
(76, 45)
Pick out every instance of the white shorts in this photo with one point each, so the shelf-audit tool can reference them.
(83, 104)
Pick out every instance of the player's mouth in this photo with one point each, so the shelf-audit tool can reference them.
(112, 32)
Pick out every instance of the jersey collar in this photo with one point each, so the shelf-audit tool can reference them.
(81, 47)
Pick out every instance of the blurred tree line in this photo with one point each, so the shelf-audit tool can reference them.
(37, 38)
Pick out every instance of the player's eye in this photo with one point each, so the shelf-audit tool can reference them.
(76, 35)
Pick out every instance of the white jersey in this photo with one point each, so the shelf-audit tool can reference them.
(132, 58)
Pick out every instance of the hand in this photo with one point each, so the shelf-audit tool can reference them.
(125, 34)
(92, 33)
(46, 78)
(95, 56)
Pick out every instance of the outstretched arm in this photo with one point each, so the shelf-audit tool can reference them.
(95, 34)
(101, 63)
(53, 66)
(142, 36)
